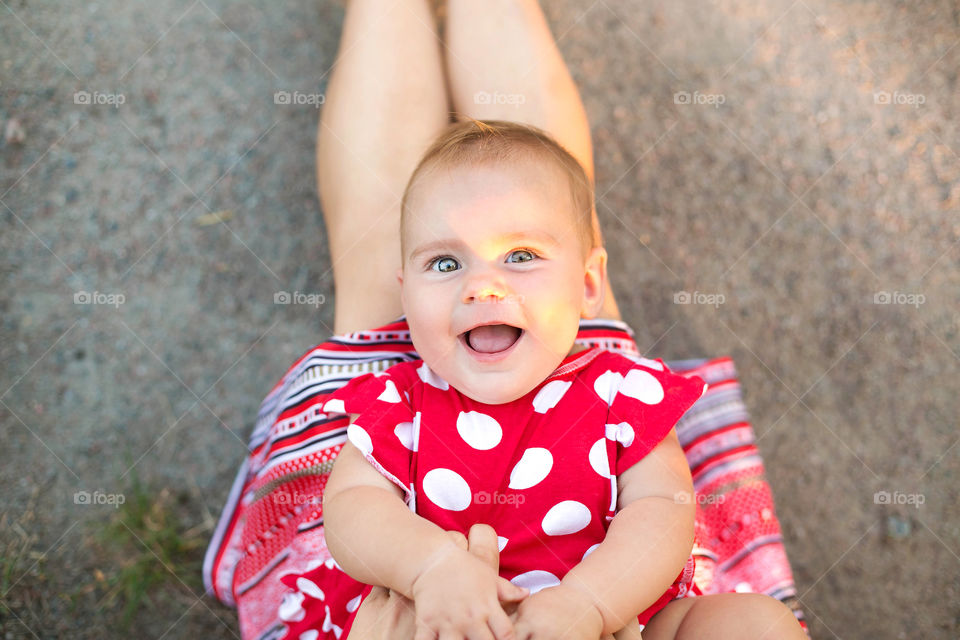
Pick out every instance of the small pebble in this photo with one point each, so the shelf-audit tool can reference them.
(13, 132)
(897, 527)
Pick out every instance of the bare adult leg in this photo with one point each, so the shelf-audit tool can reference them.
(502, 63)
(386, 101)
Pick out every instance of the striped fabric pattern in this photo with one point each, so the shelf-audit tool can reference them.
(272, 522)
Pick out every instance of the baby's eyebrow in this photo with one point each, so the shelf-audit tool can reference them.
(544, 237)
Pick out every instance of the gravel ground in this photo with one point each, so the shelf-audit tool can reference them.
(808, 173)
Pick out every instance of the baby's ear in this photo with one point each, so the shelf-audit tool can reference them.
(594, 282)
(400, 275)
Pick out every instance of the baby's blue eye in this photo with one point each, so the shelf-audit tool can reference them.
(439, 261)
(526, 251)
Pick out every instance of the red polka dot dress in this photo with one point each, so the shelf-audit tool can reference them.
(541, 470)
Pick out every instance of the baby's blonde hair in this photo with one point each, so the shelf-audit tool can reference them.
(476, 142)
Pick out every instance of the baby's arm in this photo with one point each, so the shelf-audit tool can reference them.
(648, 541)
(369, 530)
(377, 540)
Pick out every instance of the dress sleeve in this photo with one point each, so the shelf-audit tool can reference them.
(386, 427)
(648, 403)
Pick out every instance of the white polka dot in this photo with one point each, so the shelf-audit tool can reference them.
(328, 623)
(416, 431)
(360, 438)
(598, 458)
(404, 433)
(622, 433)
(566, 517)
(548, 397)
(532, 467)
(390, 393)
(606, 385)
(309, 634)
(290, 608)
(643, 386)
(502, 542)
(310, 588)
(334, 406)
(353, 604)
(647, 362)
(447, 489)
(589, 551)
(479, 430)
(429, 377)
(743, 587)
(535, 580)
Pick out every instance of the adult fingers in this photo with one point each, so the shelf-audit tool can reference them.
(483, 544)
(459, 538)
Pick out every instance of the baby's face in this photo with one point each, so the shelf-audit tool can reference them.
(496, 245)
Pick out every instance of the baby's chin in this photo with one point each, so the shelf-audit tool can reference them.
(497, 388)
(484, 396)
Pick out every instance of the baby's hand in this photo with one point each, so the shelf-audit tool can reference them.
(558, 612)
(458, 596)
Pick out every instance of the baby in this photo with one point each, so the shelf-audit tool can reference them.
(568, 452)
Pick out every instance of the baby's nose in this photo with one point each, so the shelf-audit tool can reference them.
(486, 294)
(485, 289)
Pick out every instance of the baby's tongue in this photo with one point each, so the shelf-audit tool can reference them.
(493, 337)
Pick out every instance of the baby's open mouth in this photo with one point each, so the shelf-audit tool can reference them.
(491, 338)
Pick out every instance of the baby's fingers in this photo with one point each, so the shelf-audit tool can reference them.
(424, 633)
(509, 592)
(502, 627)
